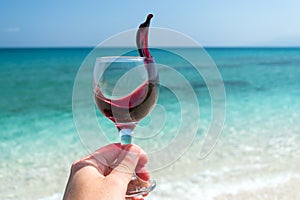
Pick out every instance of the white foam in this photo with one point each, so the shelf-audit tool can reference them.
(195, 190)
(56, 196)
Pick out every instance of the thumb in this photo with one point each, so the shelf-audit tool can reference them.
(126, 164)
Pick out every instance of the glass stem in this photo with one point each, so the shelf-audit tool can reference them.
(126, 136)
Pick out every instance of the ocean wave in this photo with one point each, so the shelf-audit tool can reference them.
(195, 189)
(56, 196)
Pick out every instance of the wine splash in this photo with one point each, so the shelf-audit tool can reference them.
(142, 45)
(142, 38)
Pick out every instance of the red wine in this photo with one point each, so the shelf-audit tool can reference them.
(129, 109)
(142, 38)
(142, 45)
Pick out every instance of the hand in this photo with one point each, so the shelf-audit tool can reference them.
(106, 173)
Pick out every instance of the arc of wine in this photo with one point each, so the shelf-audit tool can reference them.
(142, 38)
(142, 45)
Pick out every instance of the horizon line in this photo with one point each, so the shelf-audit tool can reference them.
(154, 47)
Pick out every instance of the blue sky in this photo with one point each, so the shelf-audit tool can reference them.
(88, 22)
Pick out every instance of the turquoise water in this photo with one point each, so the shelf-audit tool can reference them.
(39, 139)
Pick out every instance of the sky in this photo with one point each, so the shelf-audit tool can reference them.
(44, 23)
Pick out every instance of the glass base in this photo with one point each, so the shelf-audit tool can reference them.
(138, 187)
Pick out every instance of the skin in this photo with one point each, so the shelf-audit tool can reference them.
(105, 174)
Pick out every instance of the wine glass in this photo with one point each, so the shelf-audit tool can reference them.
(125, 90)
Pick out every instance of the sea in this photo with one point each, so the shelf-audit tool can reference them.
(245, 117)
